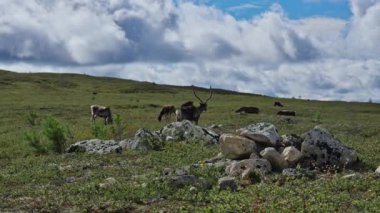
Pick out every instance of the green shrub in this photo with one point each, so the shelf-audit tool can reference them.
(55, 133)
(99, 131)
(317, 117)
(118, 128)
(33, 139)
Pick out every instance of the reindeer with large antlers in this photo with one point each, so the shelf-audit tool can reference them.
(190, 112)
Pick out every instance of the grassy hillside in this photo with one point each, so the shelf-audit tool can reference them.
(53, 182)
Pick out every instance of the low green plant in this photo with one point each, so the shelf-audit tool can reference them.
(118, 128)
(32, 118)
(317, 117)
(99, 131)
(55, 133)
(33, 139)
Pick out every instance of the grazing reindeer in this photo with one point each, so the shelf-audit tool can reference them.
(166, 112)
(101, 111)
(277, 103)
(245, 110)
(190, 112)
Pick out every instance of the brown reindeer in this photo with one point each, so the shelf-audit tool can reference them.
(101, 111)
(166, 112)
(190, 112)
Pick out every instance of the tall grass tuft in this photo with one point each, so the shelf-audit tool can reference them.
(32, 118)
(55, 133)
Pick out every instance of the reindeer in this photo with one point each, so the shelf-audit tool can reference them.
(190, 112)
(101, 111)
(277, 103)
(166, 112)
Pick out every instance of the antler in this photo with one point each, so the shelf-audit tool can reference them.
(210, 95)
(197, 96)
(200, 98)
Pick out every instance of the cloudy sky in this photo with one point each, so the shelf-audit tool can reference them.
(316, 49)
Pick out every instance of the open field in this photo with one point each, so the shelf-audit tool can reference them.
(62, 182)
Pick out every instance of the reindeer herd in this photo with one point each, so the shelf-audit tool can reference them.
(187, 111)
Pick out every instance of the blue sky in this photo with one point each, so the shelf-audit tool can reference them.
(295, 9)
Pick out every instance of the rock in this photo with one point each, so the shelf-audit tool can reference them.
(215, 159)
(237, 168)
(299, 173)
(182, 180)
(144, 140)
(378, 170)
(291, 155)
(275, 158)
(263, 133)
(167, 172)
(254, 155)
(186, 130)
(183, 170)
(350, 176)
(291, 140)
(377, 173)
(189, 180)
(325, 150)
(107, 183)
(95, 146)
(215, 126)
(226, 183)
(236, 147)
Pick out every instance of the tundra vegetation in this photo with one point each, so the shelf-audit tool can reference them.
(42, 113)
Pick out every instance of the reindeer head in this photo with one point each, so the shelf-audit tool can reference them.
(203, 104)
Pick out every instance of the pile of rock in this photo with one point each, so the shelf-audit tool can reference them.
(146, 140)
(258, 150)
(95, 146)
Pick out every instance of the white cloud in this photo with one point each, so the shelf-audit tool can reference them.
(183, 43)
(246, 6)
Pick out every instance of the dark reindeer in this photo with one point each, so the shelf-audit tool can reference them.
(101, 111)
(190, 112)
(246, 110)
(277, 103)
(286, 113)
(166, 112)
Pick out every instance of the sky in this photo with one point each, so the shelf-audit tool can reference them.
(311, 49)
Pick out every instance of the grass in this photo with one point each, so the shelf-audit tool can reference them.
(63, 182)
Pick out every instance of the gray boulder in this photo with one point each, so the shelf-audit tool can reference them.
(291, 140)
(144, 140)
(324, 149)
(96, 146)
(180, 181)
(230, 183)
(291, 155)
(186, 130)
(263, 133)
(275, 158)
(299, 173)
(238, 168)
(236, 147)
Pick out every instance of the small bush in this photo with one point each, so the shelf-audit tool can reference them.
(317, 117)
(118, 128)
(55, 133)
(33, 139)
(99, 131)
